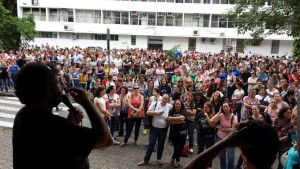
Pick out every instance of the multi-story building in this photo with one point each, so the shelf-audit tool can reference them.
(198, 25)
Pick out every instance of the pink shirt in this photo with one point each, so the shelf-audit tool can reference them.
(136, 102)
(226, 124)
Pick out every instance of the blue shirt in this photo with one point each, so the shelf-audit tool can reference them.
(14, 69)
(262, 76)
(223, 76)
(78, 58)
(236, 72)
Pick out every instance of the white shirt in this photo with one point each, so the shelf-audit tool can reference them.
(118, 62)
(160, 73)
(160, 121)
(259, 97)
(102, 103)
(60, 59)
(114, 72)
(114, 99)
(112, 83)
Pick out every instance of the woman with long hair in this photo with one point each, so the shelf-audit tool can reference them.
(164, 87)
(178, 130)
(114, 104)
(128, 83)
(228, 122)
(237, 98)
(123, 109)
(216, 100)
(272, 110)
(135, 115)
(284, 127)
(176, 77)
(271, 90)
(263, 98)
(248, 102)
(206, 129)
(279, 102)
(199, 80)
(99, 72)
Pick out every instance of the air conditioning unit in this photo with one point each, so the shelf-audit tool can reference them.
(212, 40)
(68, 28)
(203, 40)
(35, 2)
(134, 13)
(195, 32)
(170, 14)
(160, 14)
(196, 15)
(74, 36)
(222, 34)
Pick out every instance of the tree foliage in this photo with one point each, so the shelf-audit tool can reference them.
(296, 48)
(170, 52)
(261, 18)
(13, 28)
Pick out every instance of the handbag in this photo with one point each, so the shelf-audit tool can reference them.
(185, 151)
(148, 120)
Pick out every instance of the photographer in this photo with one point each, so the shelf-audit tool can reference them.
(44, 140)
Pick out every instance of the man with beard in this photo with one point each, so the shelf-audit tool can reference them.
(44, 140)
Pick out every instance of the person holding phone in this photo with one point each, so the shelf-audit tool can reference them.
(228, 121)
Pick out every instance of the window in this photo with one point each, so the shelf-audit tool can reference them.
(53, 15)
(114, 37)
(222, 22)
(48, 34)
(116, 17)
(107, 18)
(124, 18)
(205, 22)
(104, 37)
(214, 21)
(61, 15)
(88, 16)
(275, 46)
(151, 19)
(39, 14)
(178, 19)
(133, 40)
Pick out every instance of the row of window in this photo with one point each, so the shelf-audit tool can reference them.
(131, 18)
(84, 36)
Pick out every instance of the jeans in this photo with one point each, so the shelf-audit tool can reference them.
(83, 86)
(178, 144)
(238, 111)
(4, 82)
(123, 119)
(191, 128)
(112, 124)
(159, 135)
(136, 122)
(205, 142)
(226, 157)
(230, 91)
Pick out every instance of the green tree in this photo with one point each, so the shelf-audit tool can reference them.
(13, 28)
(296, 48)
(261, 18)
(10, 5)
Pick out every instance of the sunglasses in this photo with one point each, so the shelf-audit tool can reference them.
(135, 88)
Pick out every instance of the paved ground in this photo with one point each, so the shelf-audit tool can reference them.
(114, 157)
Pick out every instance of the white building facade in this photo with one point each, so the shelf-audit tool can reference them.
(193, 24)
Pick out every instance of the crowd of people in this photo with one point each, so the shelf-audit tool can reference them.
(206, 93)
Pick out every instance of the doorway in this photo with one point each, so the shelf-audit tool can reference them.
(192, 44)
